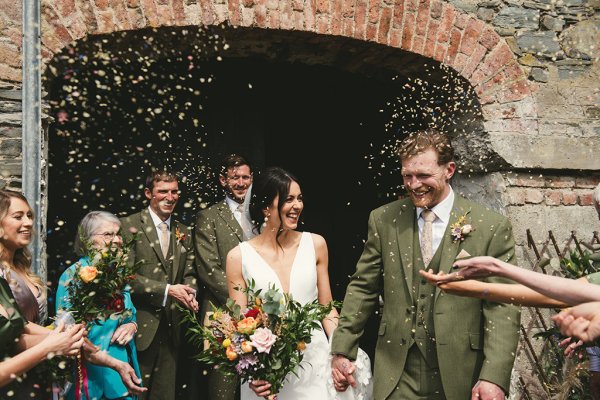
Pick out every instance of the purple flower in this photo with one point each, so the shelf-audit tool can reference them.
(246, 361)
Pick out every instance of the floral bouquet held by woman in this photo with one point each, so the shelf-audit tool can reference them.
(95, 291)
(263, 342)
(98, 287)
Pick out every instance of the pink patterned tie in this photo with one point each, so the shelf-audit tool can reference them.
(427, 236)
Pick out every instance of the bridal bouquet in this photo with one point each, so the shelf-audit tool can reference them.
(265, 341)
(95, 291)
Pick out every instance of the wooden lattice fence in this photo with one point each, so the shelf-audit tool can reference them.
(535, 376)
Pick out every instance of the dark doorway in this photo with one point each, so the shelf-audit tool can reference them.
(126, 102)
(320, 123)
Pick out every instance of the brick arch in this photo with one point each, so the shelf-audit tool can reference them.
(432, 28)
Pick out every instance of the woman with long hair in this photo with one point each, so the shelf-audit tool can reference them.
(296, 263)
(16, 230)
(24, 304)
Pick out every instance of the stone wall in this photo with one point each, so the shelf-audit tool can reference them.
(534, 65)
(10, 135)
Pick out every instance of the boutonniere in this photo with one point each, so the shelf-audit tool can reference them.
(460, 229)
(180, 236)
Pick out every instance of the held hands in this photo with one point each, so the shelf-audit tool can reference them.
(65, 342)
(184, 295)
(342, 371)
(124, 333)
(582, 321)
(484, 390)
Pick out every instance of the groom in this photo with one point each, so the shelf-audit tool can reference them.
(430, 345)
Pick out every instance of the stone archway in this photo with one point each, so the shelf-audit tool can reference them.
(431, 28)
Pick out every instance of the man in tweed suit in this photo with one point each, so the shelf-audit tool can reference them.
(165, 278)
(431, 345)
(219, 229)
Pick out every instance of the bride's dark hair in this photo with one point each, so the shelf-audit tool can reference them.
(270, 183)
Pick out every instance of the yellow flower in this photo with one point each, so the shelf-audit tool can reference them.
(301, 346)
(226, 343)
(88, 274)
(247, 325)
(246, 346)
(105, 255)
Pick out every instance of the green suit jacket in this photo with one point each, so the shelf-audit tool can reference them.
(475, 339)
(148, 289)
(216, 232)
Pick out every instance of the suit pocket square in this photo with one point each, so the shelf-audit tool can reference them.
(463, 254)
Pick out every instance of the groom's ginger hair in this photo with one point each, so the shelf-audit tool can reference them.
(421, 141)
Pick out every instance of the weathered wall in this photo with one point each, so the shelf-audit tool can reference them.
(10, 94)
(533, 63)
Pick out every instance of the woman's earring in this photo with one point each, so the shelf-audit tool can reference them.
(266, 220)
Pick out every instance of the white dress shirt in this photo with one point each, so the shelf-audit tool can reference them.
(235, 209)
(157, 221)
(442, 213)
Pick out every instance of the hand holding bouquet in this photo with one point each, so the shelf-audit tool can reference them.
(265, 341)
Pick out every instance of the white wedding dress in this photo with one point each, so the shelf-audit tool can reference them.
(314, 380)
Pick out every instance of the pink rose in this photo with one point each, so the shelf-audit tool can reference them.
(466, 229)
(263, 340)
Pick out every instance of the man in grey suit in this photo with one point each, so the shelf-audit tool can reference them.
(219, 229)
(165, 278)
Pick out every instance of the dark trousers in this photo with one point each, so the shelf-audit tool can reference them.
(158, 366)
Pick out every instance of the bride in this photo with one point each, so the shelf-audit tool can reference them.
(296, 262)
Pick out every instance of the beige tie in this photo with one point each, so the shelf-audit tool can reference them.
(244, 223)
(427, 236)
(164, 238)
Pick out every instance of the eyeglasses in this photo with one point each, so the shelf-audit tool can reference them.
(108, 236)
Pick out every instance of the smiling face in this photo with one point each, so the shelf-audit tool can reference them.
(289, 214)
(237, 182)
(106, 235)
(163, 198)
(425, 180)
(17, 226)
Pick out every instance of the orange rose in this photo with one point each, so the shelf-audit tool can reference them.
(231, 354)
(88, 274)
(246, 346)
(247, 325)
(301, 346)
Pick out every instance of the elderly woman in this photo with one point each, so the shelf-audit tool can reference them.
(119, 373)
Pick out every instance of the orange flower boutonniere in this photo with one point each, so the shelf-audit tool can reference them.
(180, 235)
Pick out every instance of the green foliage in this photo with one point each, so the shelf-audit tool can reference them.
(566, 378)
(228, 343)
(95, 292)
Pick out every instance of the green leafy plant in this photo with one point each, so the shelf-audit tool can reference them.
(566, 378)
(265, 341)
(96, 290)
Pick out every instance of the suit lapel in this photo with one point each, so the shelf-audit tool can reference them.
(152, 236)
(177, 250)
(450, 247)
(405, 226)
(227, 216)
